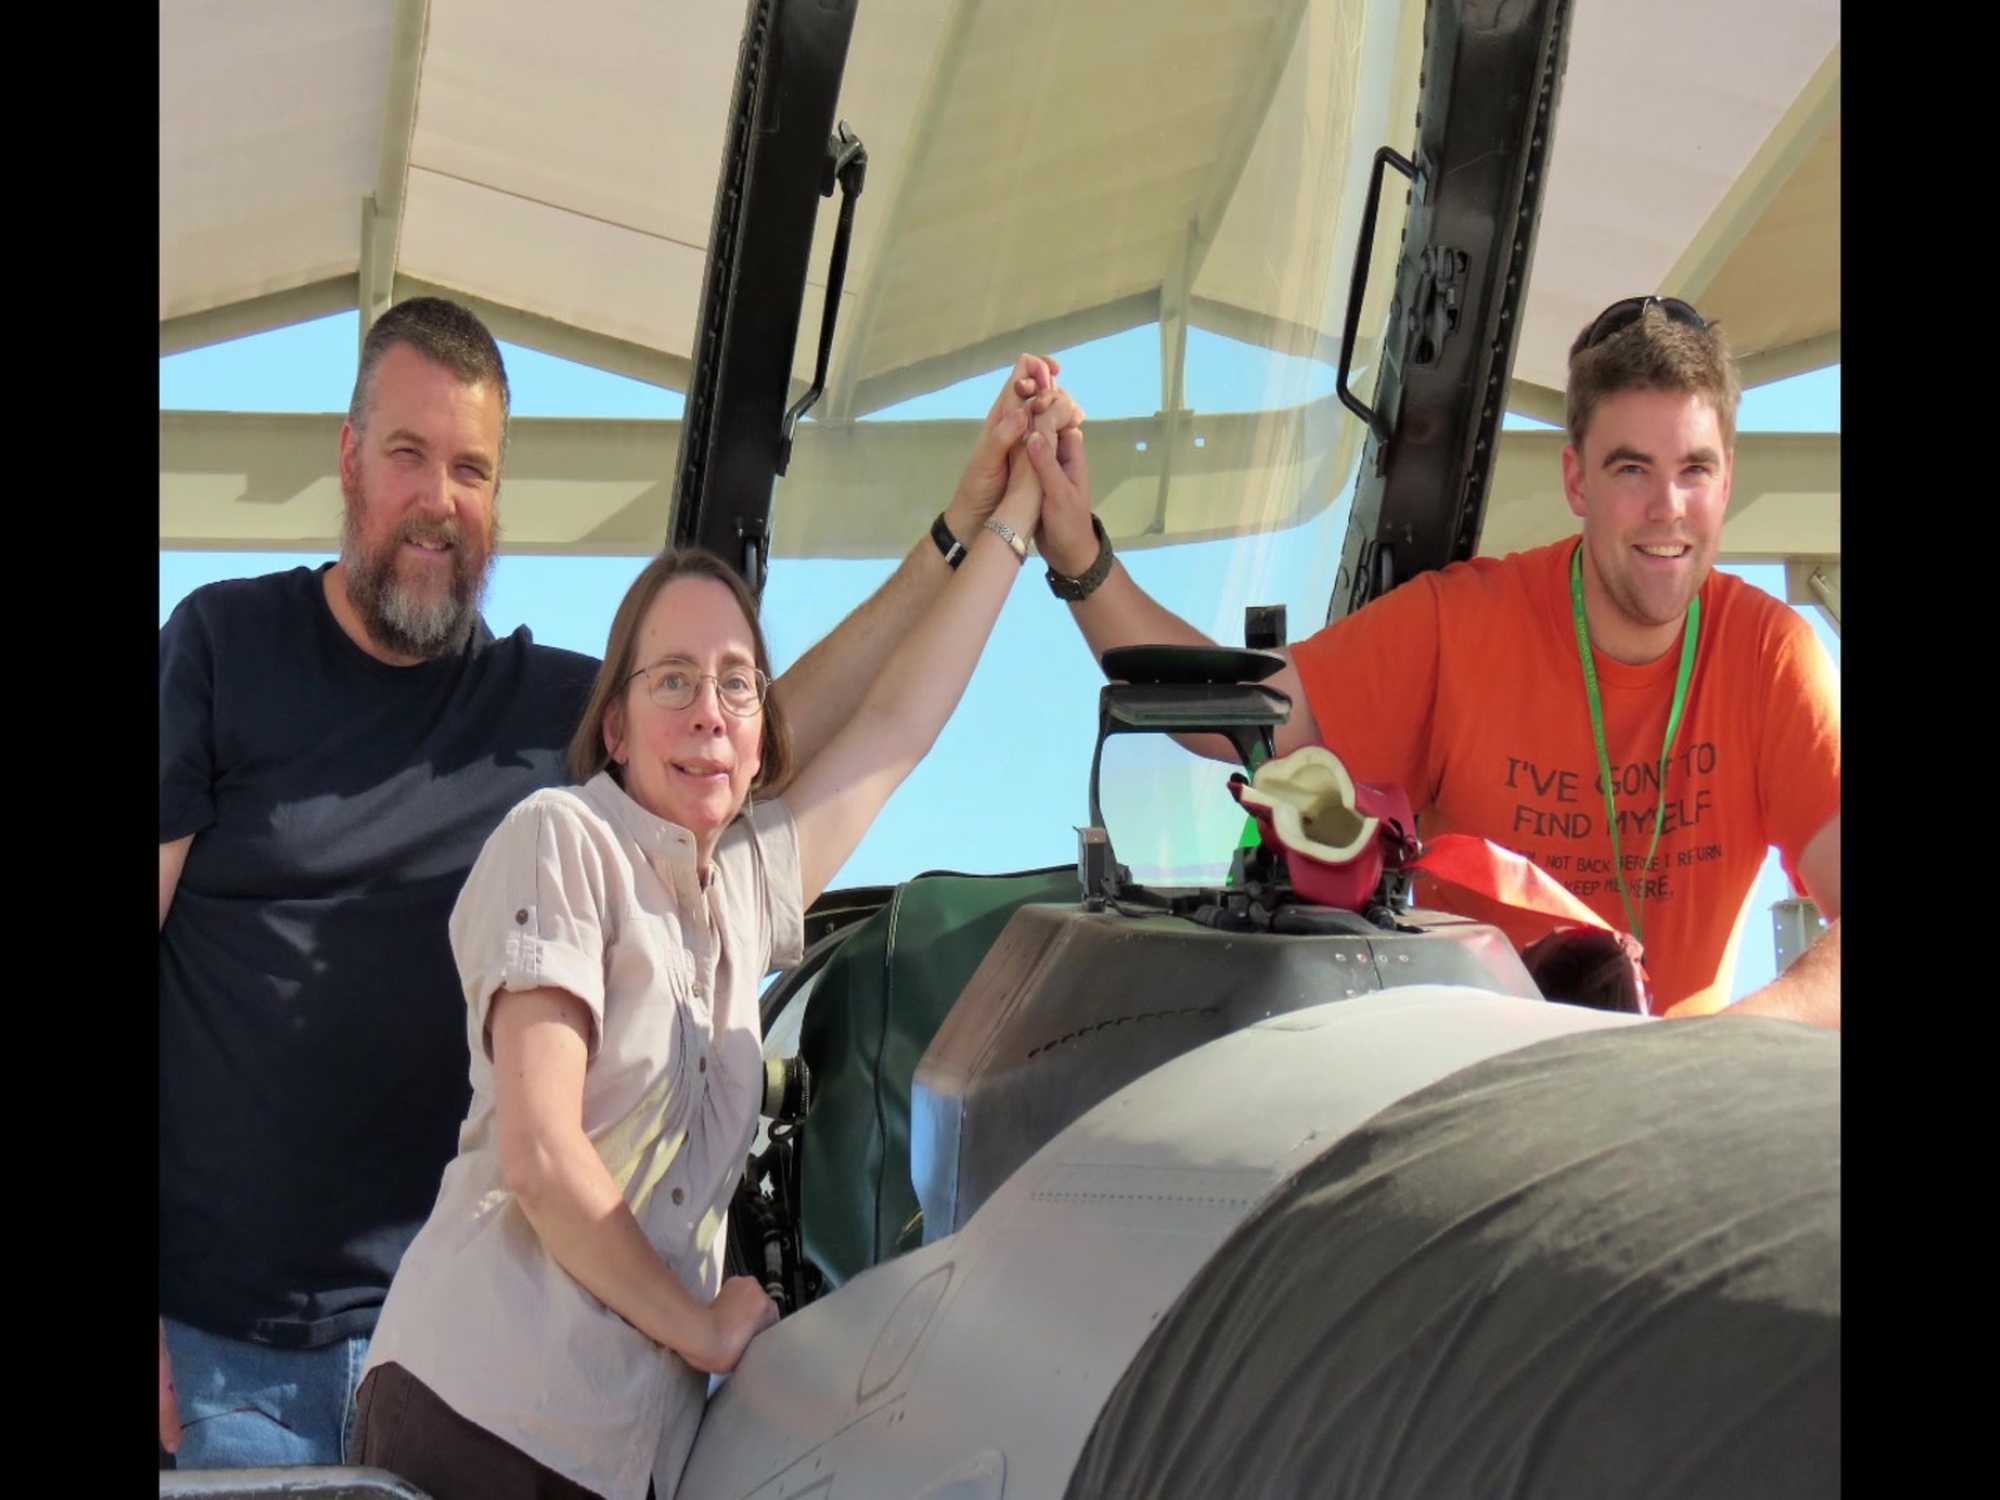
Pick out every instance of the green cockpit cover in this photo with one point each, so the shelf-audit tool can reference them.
(873, 1011)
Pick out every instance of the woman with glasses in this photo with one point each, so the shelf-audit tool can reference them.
(552, 1329)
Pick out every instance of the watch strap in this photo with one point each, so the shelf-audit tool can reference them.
(952, 548)
(1076, 590)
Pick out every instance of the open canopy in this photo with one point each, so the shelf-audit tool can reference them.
(1041, 173)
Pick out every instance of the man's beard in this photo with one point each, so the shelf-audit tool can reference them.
(399, 618)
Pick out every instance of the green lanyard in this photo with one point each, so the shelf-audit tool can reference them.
(1597, 726)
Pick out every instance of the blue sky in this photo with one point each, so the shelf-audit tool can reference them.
(1005, 786)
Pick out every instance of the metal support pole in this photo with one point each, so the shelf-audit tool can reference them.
(1796, 925)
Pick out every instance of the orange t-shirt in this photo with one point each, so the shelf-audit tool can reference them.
(1463, 686)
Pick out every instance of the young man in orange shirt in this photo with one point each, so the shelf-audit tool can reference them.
(1531, 699)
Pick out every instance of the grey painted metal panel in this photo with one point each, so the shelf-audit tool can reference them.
(1795, 926)
(1070, 1005)
(984, 1359)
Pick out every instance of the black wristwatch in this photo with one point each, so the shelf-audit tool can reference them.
(952, 548)
(1075, 590)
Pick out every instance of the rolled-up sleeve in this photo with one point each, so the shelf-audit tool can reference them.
(533, 913)
(783, 894)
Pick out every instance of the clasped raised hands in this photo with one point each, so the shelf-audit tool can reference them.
(1031, 411)
(1036, 429)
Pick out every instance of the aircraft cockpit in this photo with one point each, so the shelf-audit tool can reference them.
(930, 1044)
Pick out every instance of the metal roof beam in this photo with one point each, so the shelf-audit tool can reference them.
(1815, 581)
(998, 353)
(1784, 500)
(1233, 154)
(1770, 365)
(269, 481)
(235, 320)
(1068, 330)
(1174, 292)
(842, 401)
(1798, 130)
(563, 340)
(382, 210)
(1766, 367)
(264, 481)
(1537, 402)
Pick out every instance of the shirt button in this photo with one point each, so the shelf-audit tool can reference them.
(679, 1195)
(521, 917)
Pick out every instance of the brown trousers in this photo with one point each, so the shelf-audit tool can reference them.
(402, 1425)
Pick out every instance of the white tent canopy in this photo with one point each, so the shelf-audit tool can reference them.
(1040, 172)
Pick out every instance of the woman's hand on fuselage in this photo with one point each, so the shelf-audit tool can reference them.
(740, 1312)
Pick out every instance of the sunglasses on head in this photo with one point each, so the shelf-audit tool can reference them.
(1623, 314)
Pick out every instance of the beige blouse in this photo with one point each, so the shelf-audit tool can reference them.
(582, 889)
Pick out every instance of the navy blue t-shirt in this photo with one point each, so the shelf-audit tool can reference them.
(313, 1068)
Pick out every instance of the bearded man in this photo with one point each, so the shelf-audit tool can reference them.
(336, 744)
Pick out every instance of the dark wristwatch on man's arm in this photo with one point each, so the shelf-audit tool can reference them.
(1076, 590)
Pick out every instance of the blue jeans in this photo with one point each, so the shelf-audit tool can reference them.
(250, 1406)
